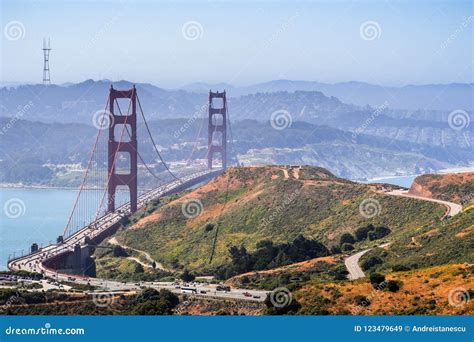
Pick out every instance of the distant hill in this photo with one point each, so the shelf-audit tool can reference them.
(454, 187)
(430, 96)
(244, 206)
(352, 141)
(255, 142)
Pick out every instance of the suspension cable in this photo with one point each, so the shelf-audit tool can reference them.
(231, 136)
(89, 164)
(138, 153)
(153, 142)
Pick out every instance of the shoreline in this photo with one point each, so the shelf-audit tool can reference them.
(46, 187)
(36, 187)
(460, 169)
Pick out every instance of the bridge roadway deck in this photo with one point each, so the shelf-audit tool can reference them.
(34, 262)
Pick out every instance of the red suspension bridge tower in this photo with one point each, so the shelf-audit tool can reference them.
(117, 146)
(217, 129)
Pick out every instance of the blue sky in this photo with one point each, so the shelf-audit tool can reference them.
(241, 42)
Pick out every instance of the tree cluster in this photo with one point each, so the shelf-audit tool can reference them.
(269, 255)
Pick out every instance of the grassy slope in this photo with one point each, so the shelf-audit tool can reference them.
(456, 187)
(317, 205)
(423, 292)
(450, 241)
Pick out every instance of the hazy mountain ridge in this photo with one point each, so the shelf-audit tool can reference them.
(358, 142)
(413, 97)
(79, 102)
(28, 145)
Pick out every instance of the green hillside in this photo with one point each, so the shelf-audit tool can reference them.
(247, 205)
(447, 242)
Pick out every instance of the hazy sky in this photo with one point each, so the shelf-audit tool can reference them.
(174, 43)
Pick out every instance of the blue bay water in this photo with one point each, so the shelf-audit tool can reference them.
(36, 215)
(42, 217)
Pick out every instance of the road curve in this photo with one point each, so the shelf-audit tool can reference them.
(453, 208)
(352, 265)
(352, 262)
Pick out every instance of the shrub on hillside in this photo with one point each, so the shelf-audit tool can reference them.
(378, 233)
(371, 232)
(119, 251)
(268, 255)
(371, 262)
(152, 302)
(376, 279)
(347, 238)
(400, 268)
(347, 247)
(139, 268)
(362, 232)
(292, 306)
(393, 285)
(187, 276)
(209, 227)
(361, 300)
(338, 272)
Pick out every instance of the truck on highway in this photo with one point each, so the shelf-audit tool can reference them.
(223, 288)
(188, 290)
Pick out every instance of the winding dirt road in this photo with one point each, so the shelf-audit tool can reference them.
(113, 241)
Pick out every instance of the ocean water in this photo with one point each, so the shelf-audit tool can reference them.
(35, 215)
(404, 181)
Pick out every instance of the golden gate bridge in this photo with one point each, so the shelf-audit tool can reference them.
(100, 206)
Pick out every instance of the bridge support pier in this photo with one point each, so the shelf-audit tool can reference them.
(217, 129)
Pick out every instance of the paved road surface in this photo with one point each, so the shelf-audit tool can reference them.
(453, 208)
(352, 263)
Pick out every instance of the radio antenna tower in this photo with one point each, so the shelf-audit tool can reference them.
(46, 50)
